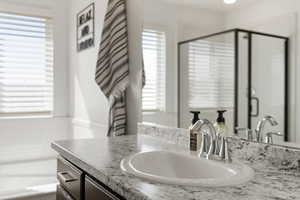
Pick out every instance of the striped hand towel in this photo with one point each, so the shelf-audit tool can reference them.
(112, 71)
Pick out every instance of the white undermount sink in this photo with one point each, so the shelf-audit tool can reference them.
(183, 169)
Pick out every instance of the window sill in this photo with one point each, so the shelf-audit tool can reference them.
(50, 116)
(213, 108)
(151, 112)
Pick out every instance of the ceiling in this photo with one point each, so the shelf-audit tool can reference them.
(216, 5)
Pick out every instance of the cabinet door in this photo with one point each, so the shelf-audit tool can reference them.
(94, 191)
(69, 178)
(61, 194)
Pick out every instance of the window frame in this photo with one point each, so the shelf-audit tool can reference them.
(35, 13)
(163, 30)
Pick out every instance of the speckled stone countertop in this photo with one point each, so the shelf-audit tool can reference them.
(276, 177)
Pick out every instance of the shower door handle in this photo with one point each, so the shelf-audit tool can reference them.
(256, 100)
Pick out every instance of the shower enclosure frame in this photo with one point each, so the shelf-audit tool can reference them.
(250, 33)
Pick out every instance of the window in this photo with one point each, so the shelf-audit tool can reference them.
(211, 74)
(26, 65)
(154, 52)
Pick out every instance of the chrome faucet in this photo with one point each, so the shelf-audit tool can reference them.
(211, 133)
(210, 147)
(260, 126)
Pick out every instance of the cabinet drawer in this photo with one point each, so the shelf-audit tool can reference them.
(61, 194)
(69, 178)
(94, 191)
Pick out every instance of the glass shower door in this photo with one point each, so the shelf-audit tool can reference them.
(267, 82)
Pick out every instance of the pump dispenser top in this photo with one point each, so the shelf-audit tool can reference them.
(220, 125)
(196, 116)
(221, 118)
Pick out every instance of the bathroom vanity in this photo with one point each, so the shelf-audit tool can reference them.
(74, 183)
(90, 169)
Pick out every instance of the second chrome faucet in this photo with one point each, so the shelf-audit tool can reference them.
(260, 134)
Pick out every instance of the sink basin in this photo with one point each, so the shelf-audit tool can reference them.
(183, 169)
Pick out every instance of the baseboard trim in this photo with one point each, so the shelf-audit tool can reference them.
(87, 124)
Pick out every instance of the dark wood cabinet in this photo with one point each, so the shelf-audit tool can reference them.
(75, 184)
(61, 194)
(70, 178)
(94, 190)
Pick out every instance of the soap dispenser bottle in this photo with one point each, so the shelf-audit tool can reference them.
(220, 125)
(195, 137)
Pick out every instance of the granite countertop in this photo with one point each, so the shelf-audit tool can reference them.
(101, 159)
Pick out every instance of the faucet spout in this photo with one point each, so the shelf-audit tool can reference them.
(211, 133)
(261, 124)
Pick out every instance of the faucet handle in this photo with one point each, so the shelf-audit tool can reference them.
(204, 145)
(249, 132)
(224, 150)
(269, 136)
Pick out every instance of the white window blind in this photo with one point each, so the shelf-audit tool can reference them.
(154, 52)
(26, 65)
(211, 74)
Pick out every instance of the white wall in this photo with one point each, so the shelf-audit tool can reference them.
(30, 138)
(89, 106)
(88, 103)
(135, 25)
(195, 22)
(179, 23)
(260, 12)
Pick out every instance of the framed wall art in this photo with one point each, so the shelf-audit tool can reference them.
(86, 28)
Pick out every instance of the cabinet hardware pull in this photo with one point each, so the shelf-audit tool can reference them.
(63, 178)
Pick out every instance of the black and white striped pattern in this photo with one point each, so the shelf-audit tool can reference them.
(112, 71)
